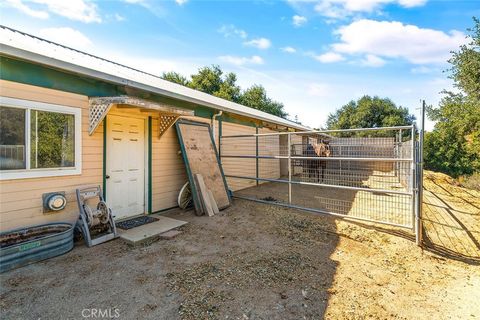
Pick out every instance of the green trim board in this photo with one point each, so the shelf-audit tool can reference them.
(105, 158)
(41, 76)
(220, 132)
(150, 145)
(196, 200)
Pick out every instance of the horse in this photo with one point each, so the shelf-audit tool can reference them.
(314, 149)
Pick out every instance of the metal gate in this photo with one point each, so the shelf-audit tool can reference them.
(369, 174)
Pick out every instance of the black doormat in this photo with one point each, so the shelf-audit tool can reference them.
(135, 222)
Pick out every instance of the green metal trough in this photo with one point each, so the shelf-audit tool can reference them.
(28, 245)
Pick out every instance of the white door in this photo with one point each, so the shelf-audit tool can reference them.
(125, 166)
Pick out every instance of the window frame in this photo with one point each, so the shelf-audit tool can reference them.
(28, 172)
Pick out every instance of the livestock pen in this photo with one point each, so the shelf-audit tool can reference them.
(369, 174)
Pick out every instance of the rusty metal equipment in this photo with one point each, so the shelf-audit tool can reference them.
(96, 219)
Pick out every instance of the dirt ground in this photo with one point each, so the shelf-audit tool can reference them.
(259, 261)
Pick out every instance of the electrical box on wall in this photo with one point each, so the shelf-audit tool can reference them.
(54, 201)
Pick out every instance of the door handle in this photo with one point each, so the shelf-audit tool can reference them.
(107, 177)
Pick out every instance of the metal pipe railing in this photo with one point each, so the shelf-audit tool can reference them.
(289, 143)
(317, 131)
(410, 190)
(323, 212)
(317, 158)
(290, 182)
(418, 218)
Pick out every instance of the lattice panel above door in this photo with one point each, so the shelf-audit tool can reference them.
(99, 107)
(166, 121)
(98, 110)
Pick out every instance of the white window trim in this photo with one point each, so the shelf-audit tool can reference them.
(47, 172)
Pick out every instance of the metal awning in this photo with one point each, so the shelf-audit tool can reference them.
(99, 107)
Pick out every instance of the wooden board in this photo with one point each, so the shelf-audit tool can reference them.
(213, 203)
(204, 196)
(201, 157)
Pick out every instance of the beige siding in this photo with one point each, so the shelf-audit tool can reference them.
(21, 200)
(267, 146)
(243, 146)
(168, 168)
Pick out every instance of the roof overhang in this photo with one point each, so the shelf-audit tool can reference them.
(99, 107)
(26, 47)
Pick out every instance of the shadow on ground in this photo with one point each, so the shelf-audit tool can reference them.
(251, 261)
(451, 220)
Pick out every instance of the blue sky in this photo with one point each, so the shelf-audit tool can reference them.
(314, 56)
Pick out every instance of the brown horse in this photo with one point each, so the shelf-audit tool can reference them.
(314, 149)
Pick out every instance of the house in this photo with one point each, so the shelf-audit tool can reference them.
(71, 119)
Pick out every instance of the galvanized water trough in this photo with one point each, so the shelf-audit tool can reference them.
(28, 245)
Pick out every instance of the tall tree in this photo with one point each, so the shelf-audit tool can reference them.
(369, 112)
(229, 89)
(256, 97)
(207, 79)
(212, 80)
(175, 77)
(453, 146)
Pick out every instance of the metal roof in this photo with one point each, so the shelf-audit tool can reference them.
(31, 48)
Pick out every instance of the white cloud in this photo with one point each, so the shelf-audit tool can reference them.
(373, 61)
(260, 43)
(20, 6)
(329, 57)
(288, 49)
(240, 61)
(66, 36)
(78, 10)
(397, 40)
(423, 70)
(155, 7)
(119, 17)
(299, 21)
(181, 2)
(230, 30)
(411, 3)
(337, 9)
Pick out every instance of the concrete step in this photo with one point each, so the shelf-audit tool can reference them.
(150, 231)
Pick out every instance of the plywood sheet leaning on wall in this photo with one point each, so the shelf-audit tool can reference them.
(201, 157)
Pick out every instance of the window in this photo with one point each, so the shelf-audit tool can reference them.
(12, 138)
(38, 139)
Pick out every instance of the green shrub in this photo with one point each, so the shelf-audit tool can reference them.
(471, 182)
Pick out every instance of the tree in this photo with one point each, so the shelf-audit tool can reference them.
(465, 70)
(229, 90)
(369, 112)
(208, 79)
(256, 97)
(453, 146)
(212, 80)
(175, 78)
